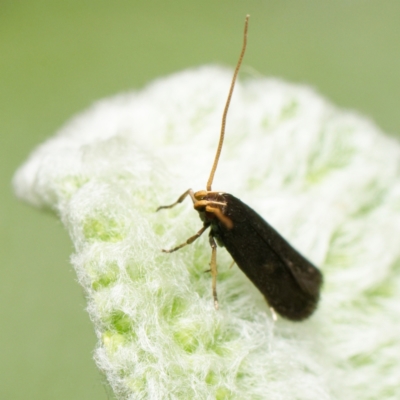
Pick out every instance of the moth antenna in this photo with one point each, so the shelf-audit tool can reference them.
(228, 101)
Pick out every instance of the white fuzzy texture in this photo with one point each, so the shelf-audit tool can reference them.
(327, 179)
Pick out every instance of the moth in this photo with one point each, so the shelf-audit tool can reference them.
(289, 282)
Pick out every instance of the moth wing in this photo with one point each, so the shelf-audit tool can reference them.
(307, 276)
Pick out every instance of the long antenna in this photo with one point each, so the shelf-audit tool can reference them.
(228, 101)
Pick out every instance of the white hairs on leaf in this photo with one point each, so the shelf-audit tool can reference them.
(327, 179)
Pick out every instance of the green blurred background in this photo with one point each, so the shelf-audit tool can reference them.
(56, 58)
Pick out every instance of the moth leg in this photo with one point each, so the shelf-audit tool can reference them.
(189, 241)
(273, 314)
(220, 215)
(202, 204)
(182, 197)
(232, 264)
(213, 270)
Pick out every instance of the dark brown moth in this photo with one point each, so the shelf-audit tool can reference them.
(288, 281)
